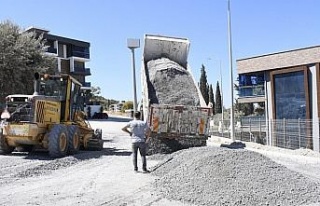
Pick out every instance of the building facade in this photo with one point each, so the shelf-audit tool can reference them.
(71, 55)
(288, 83)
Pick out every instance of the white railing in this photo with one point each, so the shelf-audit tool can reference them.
(285, 133)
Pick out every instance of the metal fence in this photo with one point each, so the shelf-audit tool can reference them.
(285, 133)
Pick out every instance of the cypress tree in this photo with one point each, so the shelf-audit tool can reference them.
(204, 84)
(218, 106)
(211, 98)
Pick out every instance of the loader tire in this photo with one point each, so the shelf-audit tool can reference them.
(58, 141)
(73, 139)
(4, 147)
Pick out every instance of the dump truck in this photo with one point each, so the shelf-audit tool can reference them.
(52, 118)
(171, 103)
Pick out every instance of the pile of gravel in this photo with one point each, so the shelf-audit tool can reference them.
(170, 83)
(221, 176)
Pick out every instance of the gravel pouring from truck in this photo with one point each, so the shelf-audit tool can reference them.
(171, 101)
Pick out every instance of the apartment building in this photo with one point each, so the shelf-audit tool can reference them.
(71, 55)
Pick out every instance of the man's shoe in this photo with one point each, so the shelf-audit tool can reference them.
(146, 171)
(136, 169)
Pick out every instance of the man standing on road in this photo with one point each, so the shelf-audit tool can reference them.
(139, 132)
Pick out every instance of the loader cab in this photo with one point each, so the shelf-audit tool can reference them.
(53, 87)
(65, 89)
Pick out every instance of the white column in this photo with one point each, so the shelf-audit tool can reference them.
(71, 64)
(64, 51)
(269, 108)
(314, 109)
(59, 65)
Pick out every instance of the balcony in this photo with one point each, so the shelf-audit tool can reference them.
(87, 84)
(251, 91)
(81, 54)
(52, 50)
(82, 71)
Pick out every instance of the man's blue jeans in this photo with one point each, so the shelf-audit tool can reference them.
(142, 149)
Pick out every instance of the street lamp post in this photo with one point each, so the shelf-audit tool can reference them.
(133, 44)
(231, 74)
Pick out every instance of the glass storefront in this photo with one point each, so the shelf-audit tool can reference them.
(290, 95)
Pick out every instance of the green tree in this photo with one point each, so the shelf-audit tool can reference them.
(127, 105)
(110, 102)
(218, 105)
(94, 95)
(211, 98)
(21, 55)
(244, 108)
(204, 84)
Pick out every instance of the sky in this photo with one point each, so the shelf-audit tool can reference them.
(257, 27)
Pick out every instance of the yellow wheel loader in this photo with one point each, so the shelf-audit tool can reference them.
(52, 119)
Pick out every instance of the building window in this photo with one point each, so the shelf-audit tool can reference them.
(251, 84)
(51, 47)
(62, 50)
(82, 52)
(290, 99)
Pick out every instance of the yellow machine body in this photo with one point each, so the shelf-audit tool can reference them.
(51, 119)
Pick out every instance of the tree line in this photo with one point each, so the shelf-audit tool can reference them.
(214, 101)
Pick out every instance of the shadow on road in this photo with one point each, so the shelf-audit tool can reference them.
(116, 152)
(112, 119)
(82, 155)
(234, 145)
(38, 155)
(105, 152)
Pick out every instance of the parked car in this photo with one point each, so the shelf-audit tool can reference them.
(100, 115)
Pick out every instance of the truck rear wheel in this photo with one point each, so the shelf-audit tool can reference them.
(4, 147)
(58, 141)
(73, 139)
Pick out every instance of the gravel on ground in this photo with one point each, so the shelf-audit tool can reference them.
(221, 176)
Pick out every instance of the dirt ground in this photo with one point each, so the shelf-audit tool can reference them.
(107, 177)
(87, 178)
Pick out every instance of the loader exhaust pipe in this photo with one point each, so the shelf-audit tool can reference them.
(36, 83)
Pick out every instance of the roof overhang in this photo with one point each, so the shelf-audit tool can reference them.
(292, 58)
